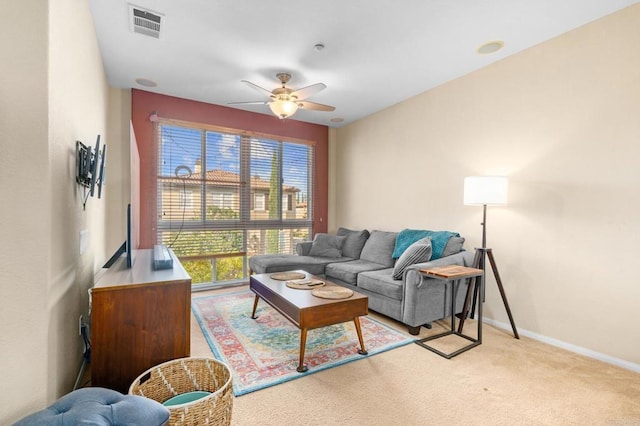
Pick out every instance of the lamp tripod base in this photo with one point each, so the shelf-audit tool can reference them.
(479, 262)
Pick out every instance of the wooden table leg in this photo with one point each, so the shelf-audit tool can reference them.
(255, 306)
(303, 343)
(362, 350)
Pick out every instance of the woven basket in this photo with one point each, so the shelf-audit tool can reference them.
(179, 376)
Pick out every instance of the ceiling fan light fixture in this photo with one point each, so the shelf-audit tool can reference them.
(283, 108)
(284, 101)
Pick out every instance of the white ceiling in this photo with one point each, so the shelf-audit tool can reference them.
(377, 52)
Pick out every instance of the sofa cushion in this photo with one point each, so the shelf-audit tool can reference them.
(379, 248)
(325, 245)
(418, 252)
(354, 243)
(454, 245)
(348, 271)
(381, 282)
(267, 263)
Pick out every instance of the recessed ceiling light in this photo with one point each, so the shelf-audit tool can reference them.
(490, 47)
(318, 47)
(337, 120)
(146, 82)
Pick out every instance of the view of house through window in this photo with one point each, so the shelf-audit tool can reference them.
(224, 197)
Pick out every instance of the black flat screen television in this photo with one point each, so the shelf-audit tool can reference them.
(126, 246)
(101, 174)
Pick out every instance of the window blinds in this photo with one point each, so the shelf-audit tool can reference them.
(223, 193)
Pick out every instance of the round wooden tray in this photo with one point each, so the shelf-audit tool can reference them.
(303, 286)
(332, 292)
(284, 276)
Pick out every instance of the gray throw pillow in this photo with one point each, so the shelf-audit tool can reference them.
(454, 245)
(303, 248)
(379, 248)
(352, 246)
(418, 252)
(325, 245)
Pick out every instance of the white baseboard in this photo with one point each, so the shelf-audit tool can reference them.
(568, 346)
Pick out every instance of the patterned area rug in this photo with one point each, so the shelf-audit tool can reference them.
(264, 352)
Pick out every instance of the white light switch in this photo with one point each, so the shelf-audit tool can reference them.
(84, 241)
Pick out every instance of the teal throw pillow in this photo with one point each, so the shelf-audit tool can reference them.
(439, 240)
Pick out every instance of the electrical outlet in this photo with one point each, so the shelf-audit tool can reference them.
(80, 326)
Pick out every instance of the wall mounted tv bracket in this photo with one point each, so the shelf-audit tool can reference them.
(90, 168)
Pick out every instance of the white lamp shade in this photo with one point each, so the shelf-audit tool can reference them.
(283, 108)
(489, 190)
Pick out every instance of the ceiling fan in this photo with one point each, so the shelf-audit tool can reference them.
(284, 102)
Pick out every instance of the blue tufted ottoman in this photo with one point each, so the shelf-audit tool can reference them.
(99, 406)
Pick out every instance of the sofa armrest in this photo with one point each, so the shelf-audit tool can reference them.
(424, 298)
(303, 248)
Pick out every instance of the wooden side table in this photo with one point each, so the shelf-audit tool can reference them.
(449, 274)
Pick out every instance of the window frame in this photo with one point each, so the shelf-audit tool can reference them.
(185, 198)
(259, 202)
(247, 201)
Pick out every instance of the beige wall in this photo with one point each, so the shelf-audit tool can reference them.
(118, 183)
(25, 210)
(562, 120)
(53, 92)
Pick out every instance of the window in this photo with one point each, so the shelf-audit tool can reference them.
(186, 200)
(224, 196)
(287, 202)
(258, 202)
(223, 200)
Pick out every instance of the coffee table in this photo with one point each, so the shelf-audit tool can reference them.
(307, 311)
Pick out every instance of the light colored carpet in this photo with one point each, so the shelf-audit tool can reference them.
(504, 381)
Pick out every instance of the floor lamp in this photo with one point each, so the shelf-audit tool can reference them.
(485, 191)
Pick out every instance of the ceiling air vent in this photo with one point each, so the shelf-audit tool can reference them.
(145, 22)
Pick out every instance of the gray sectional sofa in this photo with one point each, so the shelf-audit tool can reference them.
(384, 266)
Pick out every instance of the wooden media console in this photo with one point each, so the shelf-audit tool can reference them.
(140, 317)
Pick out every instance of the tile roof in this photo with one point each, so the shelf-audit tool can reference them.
(224, 178)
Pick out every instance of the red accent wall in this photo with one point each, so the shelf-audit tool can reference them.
(144, 103)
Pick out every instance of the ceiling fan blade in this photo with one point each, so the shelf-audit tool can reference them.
(315, 106)
(249, 103)
(308, 91)
(258, 88)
